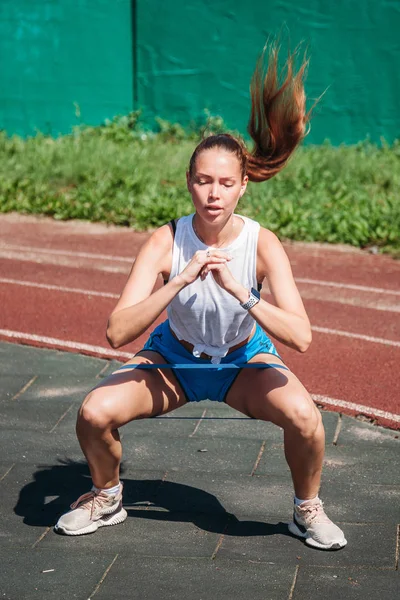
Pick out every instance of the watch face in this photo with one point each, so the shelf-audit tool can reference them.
(256, 293)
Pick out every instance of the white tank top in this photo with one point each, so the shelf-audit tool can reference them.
(203, 313)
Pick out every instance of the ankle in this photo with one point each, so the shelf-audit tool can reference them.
(111, 491)
(299, 501)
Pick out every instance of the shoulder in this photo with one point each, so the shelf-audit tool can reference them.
(270, 251)
(267, 239)
(157, 250)
(161, 240)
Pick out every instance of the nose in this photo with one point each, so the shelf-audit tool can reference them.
(214, 192)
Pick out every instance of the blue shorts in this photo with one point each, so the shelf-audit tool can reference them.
(204, 384)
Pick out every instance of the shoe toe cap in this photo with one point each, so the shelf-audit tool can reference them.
(73, 520)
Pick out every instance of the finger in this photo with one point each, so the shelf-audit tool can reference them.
(217, 259)
(216, 266)
(219, 254)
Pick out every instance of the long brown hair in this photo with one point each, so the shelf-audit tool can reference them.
(278, 119)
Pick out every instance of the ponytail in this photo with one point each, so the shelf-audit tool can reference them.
(278, 120)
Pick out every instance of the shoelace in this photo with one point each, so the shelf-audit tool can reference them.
(89, 501)
(314, 512)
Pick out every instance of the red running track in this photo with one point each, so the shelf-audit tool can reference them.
(60, 280)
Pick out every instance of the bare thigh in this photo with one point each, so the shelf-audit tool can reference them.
(271, 394)
(136, 393)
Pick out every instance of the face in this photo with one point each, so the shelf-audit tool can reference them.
(216, 184)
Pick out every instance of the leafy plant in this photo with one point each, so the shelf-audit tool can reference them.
(122, 173)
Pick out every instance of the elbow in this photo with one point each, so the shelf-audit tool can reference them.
(114, 343)
(305, 343)
(113, 338)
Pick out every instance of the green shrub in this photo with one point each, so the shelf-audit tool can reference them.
(124, 174)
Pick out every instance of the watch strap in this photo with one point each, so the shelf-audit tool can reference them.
(253, 300)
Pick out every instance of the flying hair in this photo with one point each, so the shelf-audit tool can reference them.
(278, 119)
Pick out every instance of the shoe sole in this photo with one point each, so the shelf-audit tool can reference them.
(113, 519)
(311, 542)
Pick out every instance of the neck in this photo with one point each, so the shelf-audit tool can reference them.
(214, 235)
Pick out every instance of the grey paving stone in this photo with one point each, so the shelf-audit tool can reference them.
(11, 384)
(356, 433)
(273, 462)
(350, 462)
(344, 498)
(350, 584)
(72, 576)
(26, 415)
(5, 469)
(196, 409)
(179, 453)
(63, 387)
(195, 579)
(232, 425)
(330, 421)
(36, 447)
(31, 360)
(368, 545)
(165, 427)
(33, 497)
(109, 367)
(142, 427)
(232, 493)
(380, 466)
(361, 503)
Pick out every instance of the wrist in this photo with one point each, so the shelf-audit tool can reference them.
(241, 294)
(179, 282)
(254, 298)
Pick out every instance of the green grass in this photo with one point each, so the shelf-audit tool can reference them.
(119, 173)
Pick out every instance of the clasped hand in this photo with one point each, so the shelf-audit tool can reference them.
(210, 261)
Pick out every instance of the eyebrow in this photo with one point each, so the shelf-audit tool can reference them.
(210, 177)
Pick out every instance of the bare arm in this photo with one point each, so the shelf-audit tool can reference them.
(287, 321)
(135, 310)
(138, 307)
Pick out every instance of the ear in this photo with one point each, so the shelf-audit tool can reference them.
(243, 186)
(188, 182)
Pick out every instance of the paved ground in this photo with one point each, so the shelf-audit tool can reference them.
(207, 492)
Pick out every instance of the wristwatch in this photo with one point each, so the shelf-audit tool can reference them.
(253, 300)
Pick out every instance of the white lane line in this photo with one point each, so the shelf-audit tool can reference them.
(348, 286)
(351, 298)
(73, 262)
(58, 288)
(360, 408)
(357, 336)
(36, 250)
(107, 352)
(130, 260)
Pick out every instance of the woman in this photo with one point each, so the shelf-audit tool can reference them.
(213, 266)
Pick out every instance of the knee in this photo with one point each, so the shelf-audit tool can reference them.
(94, 413)
(306, 419)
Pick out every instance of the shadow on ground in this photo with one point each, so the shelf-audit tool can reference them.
(55, 487)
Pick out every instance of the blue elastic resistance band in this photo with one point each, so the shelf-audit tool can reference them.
(202, 366)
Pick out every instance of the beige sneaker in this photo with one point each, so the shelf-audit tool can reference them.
(310, 522)
(91, 511)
